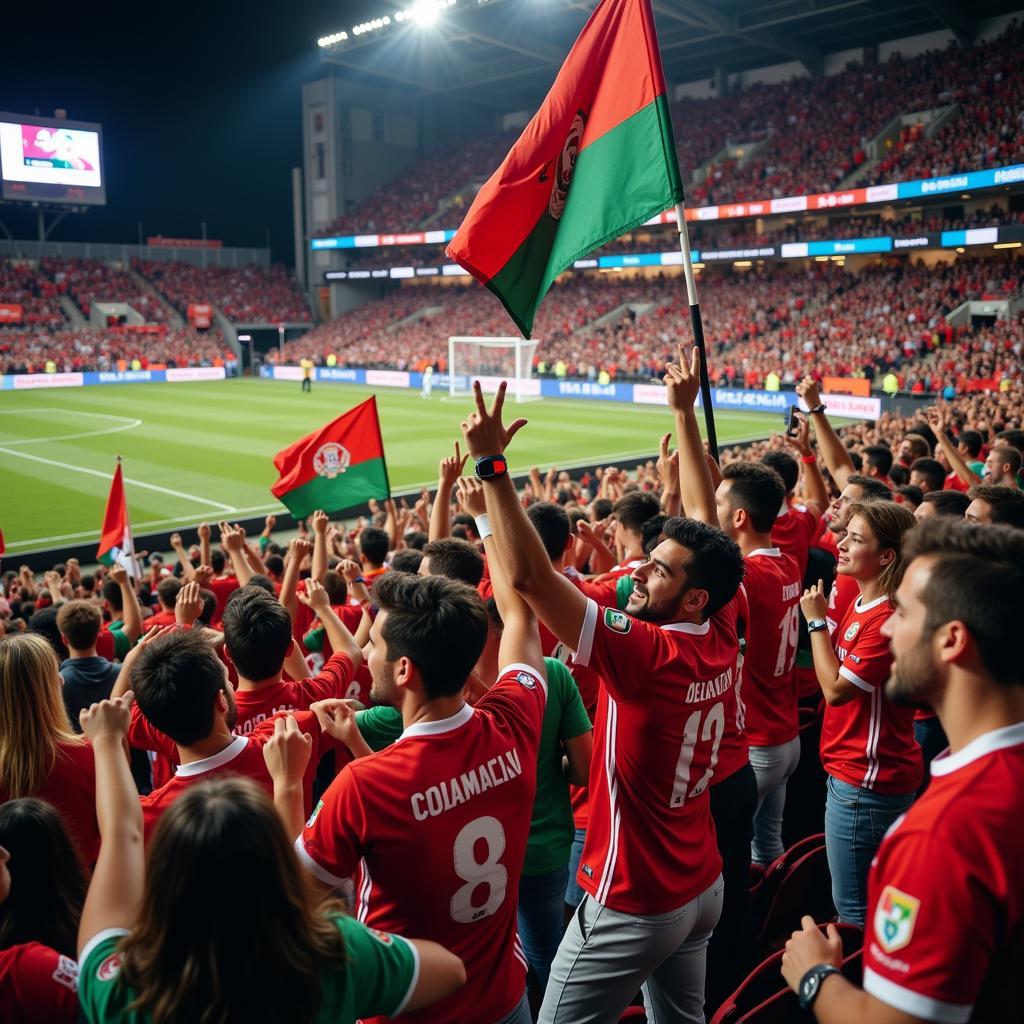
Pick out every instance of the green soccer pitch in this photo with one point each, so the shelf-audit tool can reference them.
(204, 451)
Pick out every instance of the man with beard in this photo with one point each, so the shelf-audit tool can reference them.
(437, 823)
(185, 709)
(650, 867)
(945, 930)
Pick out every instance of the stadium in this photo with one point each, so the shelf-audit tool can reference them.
(618, 352)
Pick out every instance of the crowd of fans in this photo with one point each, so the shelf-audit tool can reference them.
(77, 349)
(243, 294)
(549, 659)
(89, 281)
(22, 284)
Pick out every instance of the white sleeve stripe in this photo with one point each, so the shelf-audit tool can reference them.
(855, 679)
(518, 666)
(415, 978)
(311, 865)
(585, 645)
(107, 933)
(914, 1003)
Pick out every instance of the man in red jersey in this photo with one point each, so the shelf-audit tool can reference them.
(945, 930)
(458, 785)
(668, 664)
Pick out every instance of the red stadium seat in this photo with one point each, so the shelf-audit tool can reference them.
(806, 888)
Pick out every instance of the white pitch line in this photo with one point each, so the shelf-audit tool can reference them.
(127, 480)
(127, 425)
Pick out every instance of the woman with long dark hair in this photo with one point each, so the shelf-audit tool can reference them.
(220, 923)
(868, 747)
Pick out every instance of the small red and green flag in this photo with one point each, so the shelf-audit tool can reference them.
(116, 544)
(605, 130)
(335, 467)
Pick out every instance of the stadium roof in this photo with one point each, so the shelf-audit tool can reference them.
(504, 53)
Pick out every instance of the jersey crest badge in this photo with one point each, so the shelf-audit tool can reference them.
(110, 968)
(330, 460)
(617, 621)
(895, 917)
(525, 679)
(316, 814)
(382, 937)
(851, 632)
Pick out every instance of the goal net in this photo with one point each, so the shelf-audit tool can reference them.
(490, 361)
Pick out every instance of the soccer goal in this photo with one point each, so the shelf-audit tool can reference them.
(490, 361)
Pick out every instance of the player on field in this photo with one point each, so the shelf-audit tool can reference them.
(455, 793)
(427, 386)
(307, 373)
(868, 747)
(944, 938)
(164, 937)
(650, 866)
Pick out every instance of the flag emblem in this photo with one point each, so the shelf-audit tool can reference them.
(617, 621)
(110, 968)
(566, 163)
(895, 917)
(330, 460)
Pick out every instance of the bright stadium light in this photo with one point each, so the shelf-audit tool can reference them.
(335, 37)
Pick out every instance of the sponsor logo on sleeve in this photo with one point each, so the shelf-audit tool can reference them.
(66, 973)
(617, 621)
(895, 917)
(525, 679)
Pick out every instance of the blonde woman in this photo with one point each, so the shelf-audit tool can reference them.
(40, 755)
(868, 747)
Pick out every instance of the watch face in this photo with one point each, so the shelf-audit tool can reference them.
(810, 986)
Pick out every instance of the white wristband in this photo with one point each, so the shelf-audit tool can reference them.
(483, 526)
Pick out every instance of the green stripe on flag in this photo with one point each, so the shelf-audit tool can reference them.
(619, 182)
(359, 483)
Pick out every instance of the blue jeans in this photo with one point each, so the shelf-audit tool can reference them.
(542, 918)
(856, 820)
(772, 766)
(573, 893)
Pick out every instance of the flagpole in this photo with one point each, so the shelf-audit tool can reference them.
(698, 329)
(128, 520)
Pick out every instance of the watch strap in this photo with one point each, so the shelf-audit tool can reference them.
(820, 407)
(810, 984)
(816, 624)
(488, 467)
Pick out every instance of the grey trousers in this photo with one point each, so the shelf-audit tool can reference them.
(606, 956)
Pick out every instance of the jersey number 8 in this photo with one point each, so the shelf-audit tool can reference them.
(489, 872)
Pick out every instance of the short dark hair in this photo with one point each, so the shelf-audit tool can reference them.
(257, 632)
(176, 680)
(406, 560)
(551, 521)
(947, 503)
(80, 622)
(416, 539)
(336, 587)
(873, 488)
(1010, 455)
(456, 559)
(373, 545)
(758, 490)
(972, 442)
(879, 457)
(716, 563)
(785, 465)
(209, 607)
(468, 523)
(112, 595)
(652, 532)
(257, 579)
(439, 624)
(1006, 503)
(1014, 438)
(274, 564)
(635, 508)
(933, 472)
(898, 474)
(601, 508)
(217, 560)
(977, 579)
(911, 493)
(167, 590)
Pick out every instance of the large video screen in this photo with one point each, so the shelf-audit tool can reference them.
(47, 160)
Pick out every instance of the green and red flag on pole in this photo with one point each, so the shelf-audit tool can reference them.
(116, 544)
(605, 130)
(338, 466)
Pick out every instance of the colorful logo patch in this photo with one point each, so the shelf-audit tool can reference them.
(315, 814)
(525, 679)
(851, 632)
(618, 621)
(330, 460)
(110, 968)
(895, 917)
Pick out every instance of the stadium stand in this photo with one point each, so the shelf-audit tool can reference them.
(89, 281)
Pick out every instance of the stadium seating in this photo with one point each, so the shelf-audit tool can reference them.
(22, 284)
(89, 281)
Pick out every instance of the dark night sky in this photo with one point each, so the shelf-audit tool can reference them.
(200, 106)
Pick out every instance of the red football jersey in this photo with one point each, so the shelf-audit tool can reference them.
(160, 618)
(37, 984)
(845, 590)
(459, 793)
(945, 934)
(255, 706)
(772, 584)
(242, 756)
(223, 587)
(869, 742)
(793, 532)
(661, 717)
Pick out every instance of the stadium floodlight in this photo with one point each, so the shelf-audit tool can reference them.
(334, 37)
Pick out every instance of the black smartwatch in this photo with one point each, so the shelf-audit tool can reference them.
(816, 624)
(810, 984)
(490, 467)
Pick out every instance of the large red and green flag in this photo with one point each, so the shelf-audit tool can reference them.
(116, 544)
(598, 159)
(335, 467)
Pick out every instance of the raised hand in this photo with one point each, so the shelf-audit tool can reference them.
(204, 531)
(814, 603)
(119, 574)
(315, 598)
(108, 718)
(807, 389)
(450, 468)
(300, 548)
(203, 575)
(231, 537)
(337, 718)
(667, 464)
(682, 380)
(269, 523)
(350, 570)
(483, 430)
(176, 541)
(188, 605)
(287, 752)
(471, 495)
(802, 441)
(319, 521)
